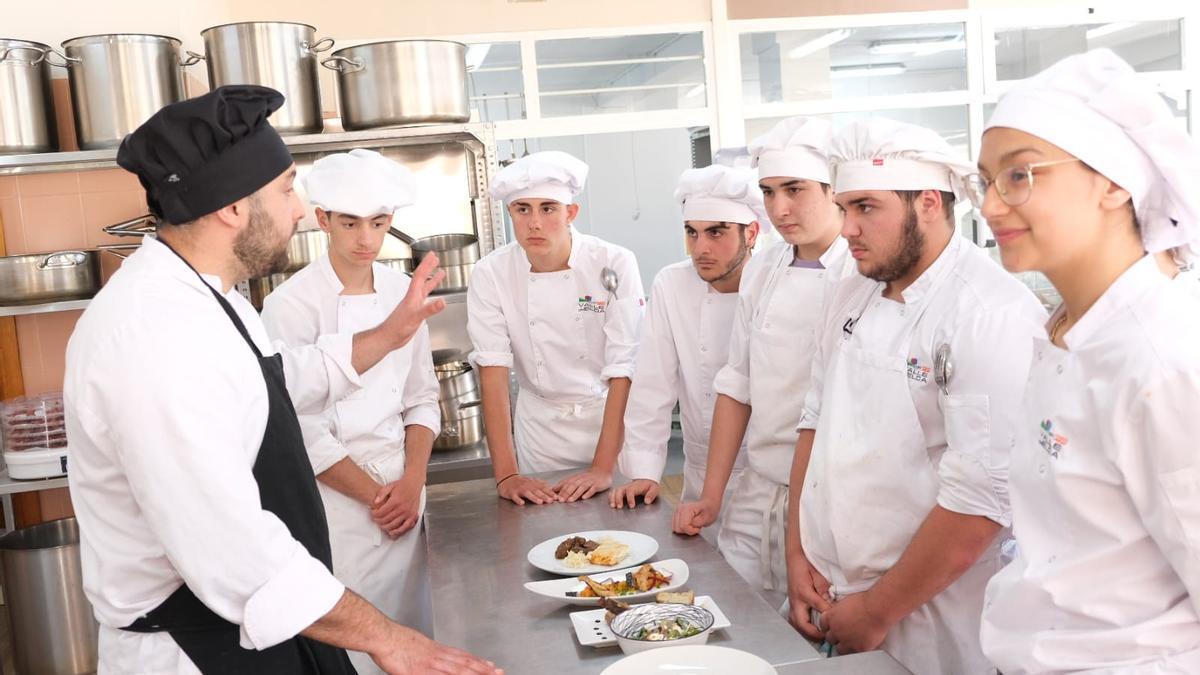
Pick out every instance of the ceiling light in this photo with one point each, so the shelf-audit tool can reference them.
(815, 45)
(1108, 29)
(868, 71)
(917, 47)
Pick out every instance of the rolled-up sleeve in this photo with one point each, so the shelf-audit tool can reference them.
(733, 379)
(991, 352)
(623, 319)
(421, 391)
(188, 463)
(653, 395)
(486, 326)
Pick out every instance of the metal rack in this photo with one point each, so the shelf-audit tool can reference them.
(477, 139)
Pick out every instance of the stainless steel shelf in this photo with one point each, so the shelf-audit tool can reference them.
(65, 306)
(12, 486)
(107, 159)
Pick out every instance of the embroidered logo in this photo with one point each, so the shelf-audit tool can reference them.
(589, 304)
(878, 161)
(1051, 442)
(917, 372)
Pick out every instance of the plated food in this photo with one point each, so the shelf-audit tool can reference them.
(592, 626)
(590, 552)
(578, 552)
(625, 585)
(645, 578)
(659, 625)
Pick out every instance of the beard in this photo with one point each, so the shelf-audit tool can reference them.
(255, 246)
(904, 260)
(734, 265)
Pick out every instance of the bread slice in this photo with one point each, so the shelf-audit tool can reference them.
(609, 553)
(676, 597)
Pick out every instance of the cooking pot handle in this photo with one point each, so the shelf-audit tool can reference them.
(115, 249)
(63, 259)
(136, 227)
(66, 60)
(352, 65)
(322, 45)
(41, 55)
(192, 59)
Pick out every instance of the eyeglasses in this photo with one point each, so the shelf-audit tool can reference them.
(1014, 185)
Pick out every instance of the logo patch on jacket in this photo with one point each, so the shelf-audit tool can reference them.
(917, 372)
(1051, 442)
(589, 304)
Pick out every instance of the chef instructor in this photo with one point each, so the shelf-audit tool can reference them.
(203, 542)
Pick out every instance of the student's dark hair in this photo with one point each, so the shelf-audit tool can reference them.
(910, 196)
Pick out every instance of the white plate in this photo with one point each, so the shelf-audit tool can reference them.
(592, 630)
(691, 660)
(558, 588)
(641, 549)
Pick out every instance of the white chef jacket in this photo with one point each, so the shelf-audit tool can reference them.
(770, 349)
(958, 448)
(968, 433)
(1105, 485)
(557, 367)
(684, 342)
(166, 409)
(367, 425)
(733, 380)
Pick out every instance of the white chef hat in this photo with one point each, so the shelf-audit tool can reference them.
(547, 175)
(883, 154)
(797, 147)
(720, 193)
(359, 183)
(1095, 107)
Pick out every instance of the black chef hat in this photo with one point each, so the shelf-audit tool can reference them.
(203, 154)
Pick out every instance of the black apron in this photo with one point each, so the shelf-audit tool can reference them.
(288, 489)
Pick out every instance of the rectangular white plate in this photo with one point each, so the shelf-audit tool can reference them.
(592, 631)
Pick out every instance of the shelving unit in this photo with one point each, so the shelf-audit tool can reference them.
(64, 306)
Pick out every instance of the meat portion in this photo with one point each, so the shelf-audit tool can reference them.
(574, 544)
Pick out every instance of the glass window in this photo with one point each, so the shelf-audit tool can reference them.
(494, 80)
(951, 122)
(821, 64)
(1147, 45)
(632, 73)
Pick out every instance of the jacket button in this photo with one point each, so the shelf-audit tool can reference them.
(1060, 369)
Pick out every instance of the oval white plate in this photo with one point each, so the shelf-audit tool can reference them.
(641, 549)
(691, 660)
(558, 588)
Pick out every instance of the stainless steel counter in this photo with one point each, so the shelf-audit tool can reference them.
(450, 466)
(477, 547)
(872, 663)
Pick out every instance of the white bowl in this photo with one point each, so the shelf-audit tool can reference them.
(629, 622)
